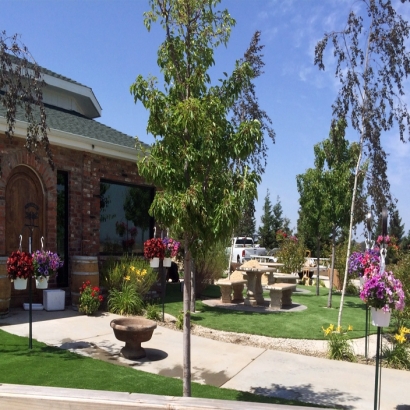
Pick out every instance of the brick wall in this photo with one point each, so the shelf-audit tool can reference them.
(85, 170)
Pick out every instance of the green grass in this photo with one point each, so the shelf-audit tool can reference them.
(49, 366)
(305, 324)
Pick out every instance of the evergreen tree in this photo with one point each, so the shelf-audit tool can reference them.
(266, 235)
(277, 220)
(396, 228)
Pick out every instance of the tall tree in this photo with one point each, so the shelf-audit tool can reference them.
(200, 159)
(277, 220)
(247, 223)
(372, 64)
(396, 228)
(266, 235)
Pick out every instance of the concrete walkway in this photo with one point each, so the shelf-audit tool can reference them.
(268, 372)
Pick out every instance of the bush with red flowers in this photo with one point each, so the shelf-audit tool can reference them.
(20, 265)
(90, 298)
(154, 248)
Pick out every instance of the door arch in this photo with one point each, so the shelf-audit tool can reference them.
(24, 199)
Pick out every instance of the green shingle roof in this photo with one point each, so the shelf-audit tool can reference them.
(73, 123)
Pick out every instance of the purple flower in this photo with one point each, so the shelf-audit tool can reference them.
(383, 291)
(46, 263)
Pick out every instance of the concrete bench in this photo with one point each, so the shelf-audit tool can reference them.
(280, 295)
(228, 286)
(285, 278)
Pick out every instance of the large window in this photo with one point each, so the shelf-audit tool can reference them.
(124, 220)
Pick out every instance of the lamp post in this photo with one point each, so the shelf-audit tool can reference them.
(377, 380)
(31, 214)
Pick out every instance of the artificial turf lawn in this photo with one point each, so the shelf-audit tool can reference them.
(306, 324)
(49, 366)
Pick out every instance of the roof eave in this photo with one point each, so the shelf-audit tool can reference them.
(80, 143)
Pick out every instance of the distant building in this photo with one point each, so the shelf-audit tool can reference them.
(94, 203)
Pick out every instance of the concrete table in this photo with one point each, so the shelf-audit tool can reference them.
(254, 295)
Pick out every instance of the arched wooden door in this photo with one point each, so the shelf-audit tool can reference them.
(24, 206)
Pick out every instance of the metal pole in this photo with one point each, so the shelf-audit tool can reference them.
(30, 292)
(162, 275)
(377, 380)
(366, 340)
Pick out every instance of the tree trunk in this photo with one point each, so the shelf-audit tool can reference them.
(193, 287)
(332, 268)
(186, 376)
(356, 176)
(317, 264)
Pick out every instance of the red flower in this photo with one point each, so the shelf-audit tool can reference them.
(154, 248)
(20, 265)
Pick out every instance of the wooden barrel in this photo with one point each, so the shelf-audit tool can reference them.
(5, 288)
(83, 269)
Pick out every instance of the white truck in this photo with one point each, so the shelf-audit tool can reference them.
(242, 248)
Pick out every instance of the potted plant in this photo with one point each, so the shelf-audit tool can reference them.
(154, 250)
(383, 293)
(46, 264)
(20, 268)
(171, 250)
(362, 263)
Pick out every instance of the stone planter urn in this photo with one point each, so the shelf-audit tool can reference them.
(133, 331)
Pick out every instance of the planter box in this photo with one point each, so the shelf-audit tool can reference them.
(54, 299)
(34, 306)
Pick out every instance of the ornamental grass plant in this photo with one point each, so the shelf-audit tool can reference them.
(129, 281)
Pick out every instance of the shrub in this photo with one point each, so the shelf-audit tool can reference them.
(401, 271)
(90, 299)
(179, 324)
(291, 254)
(151, 312)
(339, 346)
(125, 301)
(209, 266)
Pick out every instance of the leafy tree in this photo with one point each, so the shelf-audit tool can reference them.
(247, 224)
(22, 85)
(267, 236)
(200, 159)
(324, 190)
(372, 64)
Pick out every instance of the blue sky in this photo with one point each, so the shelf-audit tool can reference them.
(103, 44)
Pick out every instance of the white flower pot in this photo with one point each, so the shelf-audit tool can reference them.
(20, 284)
(380, 318)
(167, 262)
(154, 262)
(42, 282)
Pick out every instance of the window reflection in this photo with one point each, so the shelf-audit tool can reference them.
(124, 220)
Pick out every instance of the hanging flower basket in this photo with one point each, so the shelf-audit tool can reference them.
(154, 263)
(20, 268)
(42, 282)
(380, 318)
(20, 283)
(154, 248)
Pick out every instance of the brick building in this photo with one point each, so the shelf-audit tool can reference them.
(93, 203)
